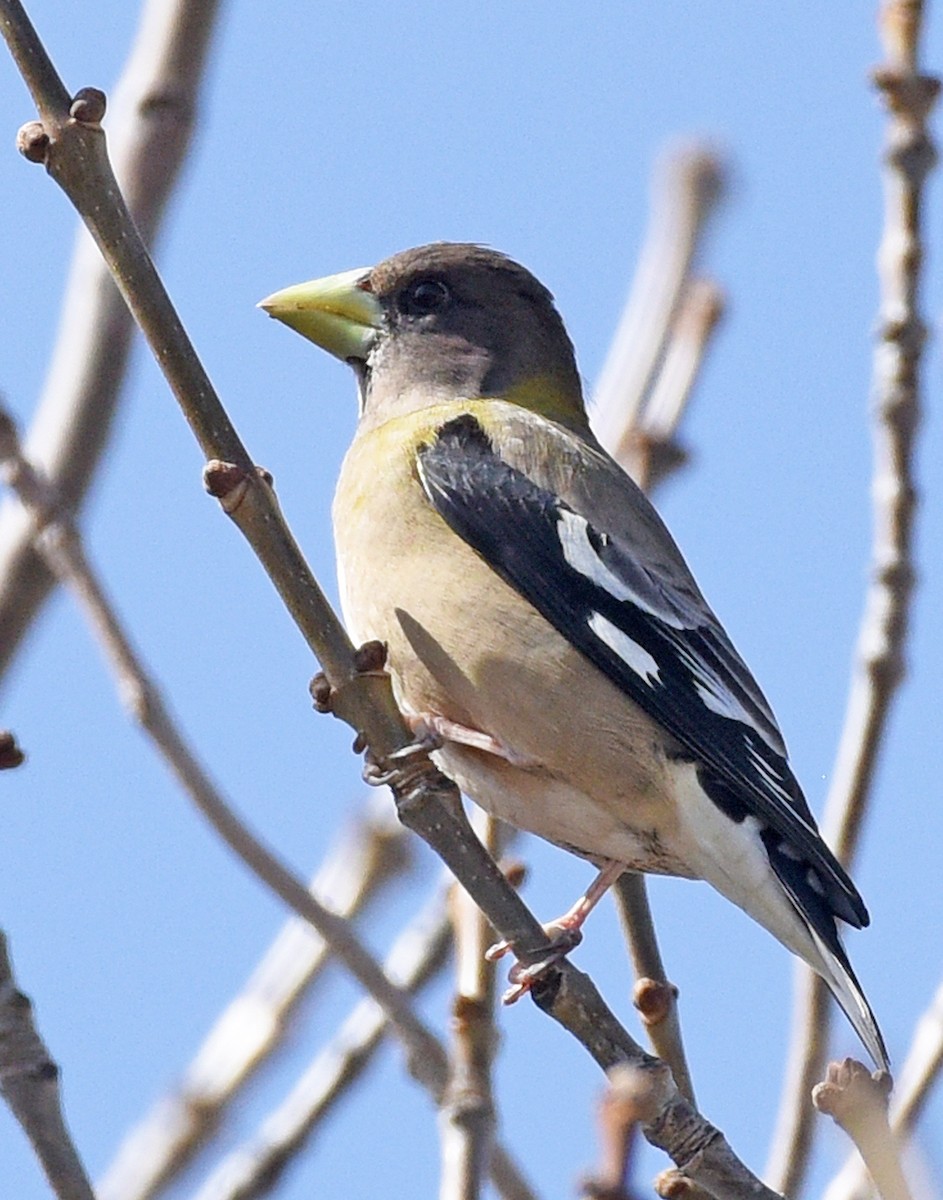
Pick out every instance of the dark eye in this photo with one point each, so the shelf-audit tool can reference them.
(426, 296)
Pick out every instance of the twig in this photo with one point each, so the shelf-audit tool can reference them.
(151, 120)
(72, 147)
(879, 657)
(921, 1070)
(623, 1107)
(370, 854)
(655, 995)
(688, 185)
(10, 753)
(467, 1117)
(59, 542)
(254, 1168)
(29, 1082)
(651, 452)
(857, 1101)
(644, 438)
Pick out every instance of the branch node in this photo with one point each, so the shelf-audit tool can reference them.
(227, 482)
(674, 1185)
(322, 694)
(515, 872)
(907, 94)
(10, 753)
(88, 106)
(654, 1000)
(848, 1088)
(370, 658)
(32, 141)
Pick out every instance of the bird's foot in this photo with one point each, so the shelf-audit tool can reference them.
(564, 934)
(523, 976)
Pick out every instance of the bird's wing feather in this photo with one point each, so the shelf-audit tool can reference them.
(660, 645)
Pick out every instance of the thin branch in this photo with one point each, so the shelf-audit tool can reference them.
(58, 540)
(857, 1101)
(370, 854)
(655, 995)
(29, 1083)
(651, 451)
(253, 1169)
(879, 659)
(152, 117)
(645, 440)
(622, 1109)
(688, 184)
(921, 1070)
(467, 1116)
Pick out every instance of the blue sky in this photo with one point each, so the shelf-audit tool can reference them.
(331, 136)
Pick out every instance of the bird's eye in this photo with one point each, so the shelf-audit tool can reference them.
(426, 296)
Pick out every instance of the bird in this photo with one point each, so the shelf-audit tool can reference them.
(541, 625)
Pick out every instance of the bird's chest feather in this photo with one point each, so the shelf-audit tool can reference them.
(456, 632)
(464, 645)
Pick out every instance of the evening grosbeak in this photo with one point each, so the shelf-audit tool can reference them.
(541, 623)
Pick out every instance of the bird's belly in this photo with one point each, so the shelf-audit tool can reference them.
(589, 770)
(532, 799)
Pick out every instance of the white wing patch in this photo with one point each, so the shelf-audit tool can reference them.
(631, 653)
(715, 695)
(573, 532)
(768, 774)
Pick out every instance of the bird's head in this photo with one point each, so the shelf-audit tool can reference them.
(438, 323)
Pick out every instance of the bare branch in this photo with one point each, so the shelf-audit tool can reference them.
(920, 1072)
(655, 995)
(62, 549)
(622, 1109)
(467, 1117)
(644, 438)
(688, 185)
(879, 659)
(370, 854)
(29, 1082)
(253, 1169)
(857, 1101)
(651, 451)
(152, 118)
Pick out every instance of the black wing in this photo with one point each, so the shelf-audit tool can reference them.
(671, 659)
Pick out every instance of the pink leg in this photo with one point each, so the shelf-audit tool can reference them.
(564, 933)
(431, 727)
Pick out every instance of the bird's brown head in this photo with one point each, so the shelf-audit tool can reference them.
(438, 323)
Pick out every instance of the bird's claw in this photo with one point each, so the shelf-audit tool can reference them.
(523, 976)
(376, 774)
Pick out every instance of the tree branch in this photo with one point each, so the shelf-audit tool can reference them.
(688, 186)
(857, 1101)
(370, 854)
(150, 124)
(921, 1070)
(879, 659)
(29, 1082)
(467, 1116)
(880, 664)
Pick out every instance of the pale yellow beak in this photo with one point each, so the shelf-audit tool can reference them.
(334, 313)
